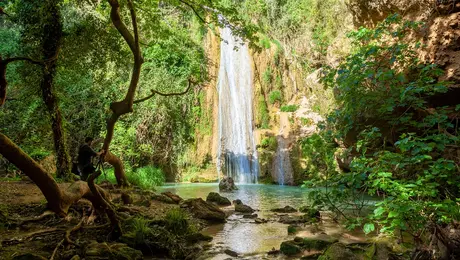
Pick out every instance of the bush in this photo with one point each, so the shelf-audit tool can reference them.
(269, 143)
(267, 76)
(263, 115)
(289, 108)
(274, 96)
(146, 177)
(400, 151)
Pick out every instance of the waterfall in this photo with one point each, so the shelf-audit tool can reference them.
(237, 154)
(282, 168)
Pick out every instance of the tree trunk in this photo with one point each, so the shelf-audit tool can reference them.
(58, 200)
(124, 106)
(52, 34)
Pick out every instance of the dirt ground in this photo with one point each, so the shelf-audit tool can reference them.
(21, 203)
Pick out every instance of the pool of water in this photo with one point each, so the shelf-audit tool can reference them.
(244, 236)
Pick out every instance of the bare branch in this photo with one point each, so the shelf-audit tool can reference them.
(6, 61)
(155, 92)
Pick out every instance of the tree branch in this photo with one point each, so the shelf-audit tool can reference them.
(155, 92)
(194, 10)
(6, 61)
(121, 27)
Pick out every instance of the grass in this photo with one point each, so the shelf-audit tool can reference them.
(289, 108)
(274, 96)
(147, 177)
(177, 221)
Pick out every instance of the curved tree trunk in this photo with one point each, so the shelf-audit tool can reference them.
(52, 34)
(58, 200)
(124, 106)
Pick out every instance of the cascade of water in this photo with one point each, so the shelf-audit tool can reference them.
(237, 154)
(282, 168)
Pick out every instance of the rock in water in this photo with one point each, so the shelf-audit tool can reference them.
(204, 210)
(240, 207)
(231, 253)
(218, 199)
(227, 184)
(286, 209)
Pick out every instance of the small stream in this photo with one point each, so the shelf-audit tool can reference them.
(251, 240)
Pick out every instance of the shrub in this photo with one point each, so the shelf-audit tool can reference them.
(289, 108)
(269, 143)
(274, 96)
(264, 42)
(383, 86)
(263, 115)
(145, 177)
(267, 76)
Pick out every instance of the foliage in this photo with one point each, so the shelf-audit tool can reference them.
(319, 153)
(147, 177)
(177, 222)
(267, 76)
(275, 96)
(402, 144)
(263, 115)
(140, 230)
(269, 143)
(289, 108)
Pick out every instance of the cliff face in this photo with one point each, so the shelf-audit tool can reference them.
(280, 80)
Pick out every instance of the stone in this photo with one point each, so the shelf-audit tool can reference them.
(240, 207)
(29, 256)
(338, 251)
(313, 256)
(250, 216)
(216, 198)
(289, 248)
(204, 210)
(114, 251)
(286, 209)
(260, 221)
(197, 237)
(317, 244)
(273, 251)
(227, 184)
(243, 208)
(174, 197)
(287, 219)
(231, 253)
(163, 198)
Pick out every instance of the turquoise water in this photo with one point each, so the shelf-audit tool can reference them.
(244, 236)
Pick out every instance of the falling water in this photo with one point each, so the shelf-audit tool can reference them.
(282, 169)
(237, 155)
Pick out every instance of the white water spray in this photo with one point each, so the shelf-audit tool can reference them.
(237, 154)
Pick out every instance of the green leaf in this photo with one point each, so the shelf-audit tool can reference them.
(368, 228)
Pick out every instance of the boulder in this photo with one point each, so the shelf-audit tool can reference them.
(338, 251)
(172, 196)
(240, 207)
(163, 198)
(29, 256)
(250, 216)
(115, 251)
(227, 184)
(231, 253)
(197, 237)
(286, 209)
(216, 198)
(317, 243)
(260, 220)
(290, 248)
(204, 210)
